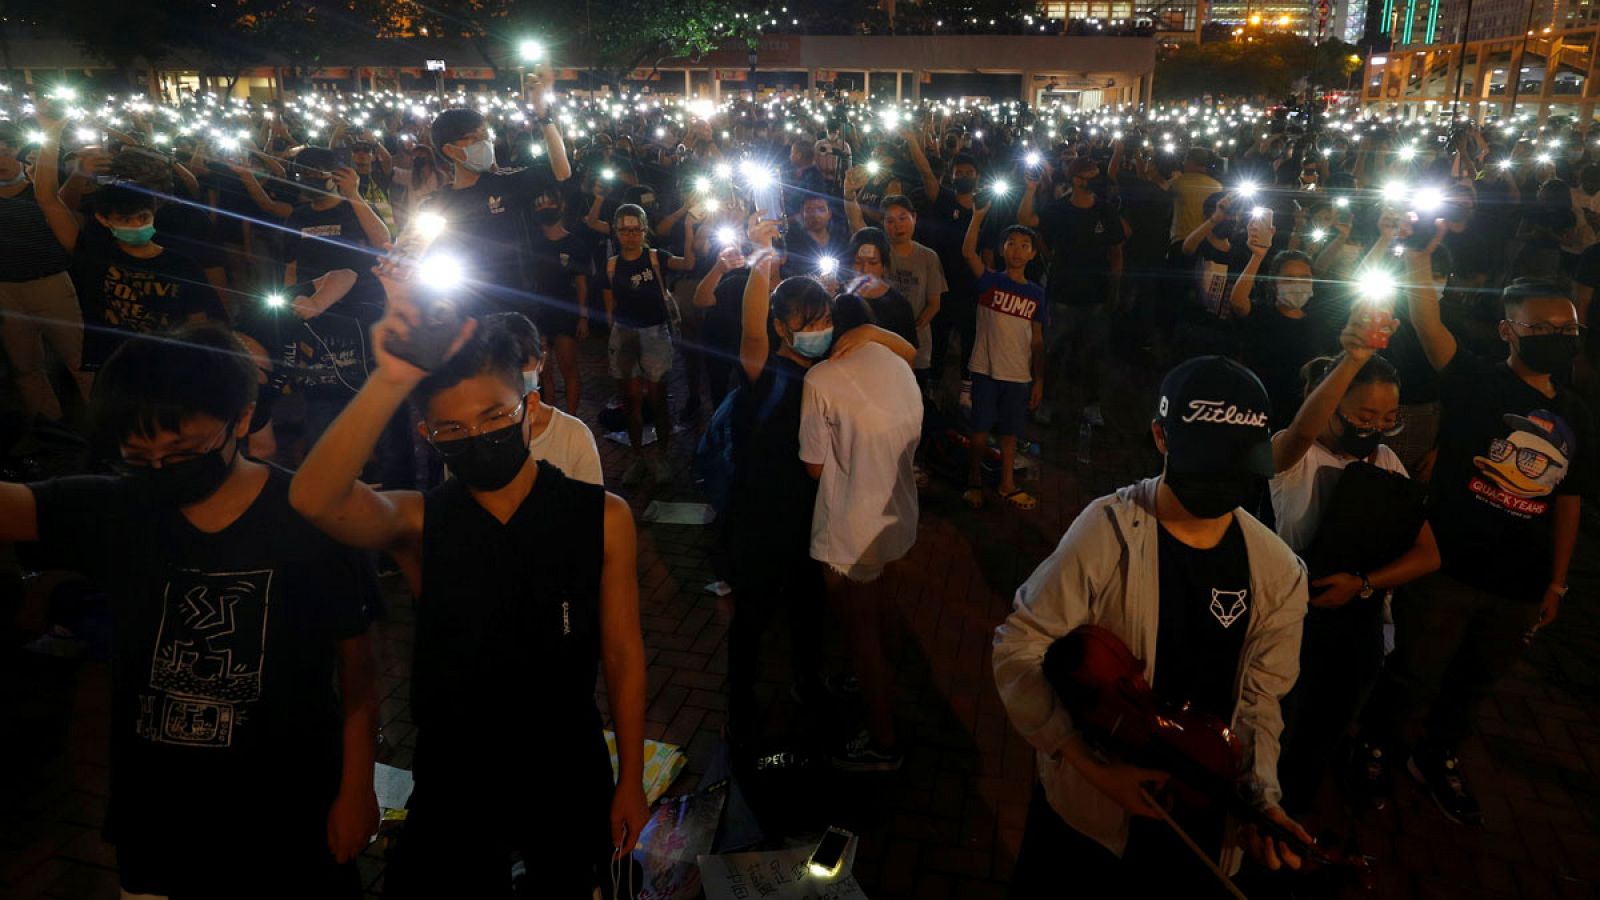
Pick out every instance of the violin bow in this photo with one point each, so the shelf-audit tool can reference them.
(1194, 848)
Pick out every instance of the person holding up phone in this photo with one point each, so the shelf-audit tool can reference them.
(526, 582)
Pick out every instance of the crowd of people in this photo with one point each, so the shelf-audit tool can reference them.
(300, 340)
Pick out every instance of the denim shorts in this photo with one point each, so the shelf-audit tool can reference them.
(999, 407)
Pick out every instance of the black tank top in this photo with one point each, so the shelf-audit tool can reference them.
(640, 298)
(508, 633)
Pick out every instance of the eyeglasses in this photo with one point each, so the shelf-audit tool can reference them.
(497, 428)
(1530, 462)
(630, 230)
(1540, 329)
(131, 464)
(1364, 428)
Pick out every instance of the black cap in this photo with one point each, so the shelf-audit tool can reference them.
(1215, 414)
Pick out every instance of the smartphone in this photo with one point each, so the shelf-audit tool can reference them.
(1260, 226)
(828, 858)
(342, 157)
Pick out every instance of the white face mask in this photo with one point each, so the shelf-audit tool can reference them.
(530, 382)
(479, 157)
(1294, 294)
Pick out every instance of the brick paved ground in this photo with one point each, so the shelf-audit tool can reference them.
(949, 824)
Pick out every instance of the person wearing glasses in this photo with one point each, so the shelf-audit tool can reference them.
(526, 582)
(641, 314)
(233, 619)
(1361, 535)
(1506, 522)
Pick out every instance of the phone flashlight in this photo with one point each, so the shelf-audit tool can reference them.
(608, 174)
(1318, 234)
(726, 236)
(441, 272)
(1032, 159)
(873, 167)
(702, 184)
(1342, 202)
(531, 51)
(1000, 189)
(1247, 190)
(1505, 165)
(1258, 212)
(723, 171)
(827, 265)
(276, 301)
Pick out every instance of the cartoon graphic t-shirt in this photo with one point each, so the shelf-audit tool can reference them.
(1506, 451)
(1205, 611)
(224, 650)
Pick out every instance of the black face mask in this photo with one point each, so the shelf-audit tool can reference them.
(548, 216)
(182, 484)
(1214, 496)
(1353, 443)
(965, 185)
(483, 463)
(1548, 354)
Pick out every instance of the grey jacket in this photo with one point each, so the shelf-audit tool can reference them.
(1105, 572)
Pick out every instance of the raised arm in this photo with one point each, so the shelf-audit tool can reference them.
(969, 242)
(705, 293)
(684, 263)
(252, 186)
(1026, 214)
(560, 165)
(63, 222)
(1201, 231)
(930, 181)
(327, 490)
(349, 184)
(753, 343)
(1239, 297)
(1438, 344)
(328, 290)
(593, 220)
(854, 181)
(1291, 445)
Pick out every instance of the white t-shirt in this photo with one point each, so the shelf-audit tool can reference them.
(861, 420)
(1298, 493)
(568, 444)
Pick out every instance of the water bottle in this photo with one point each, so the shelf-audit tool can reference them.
(1085, 442)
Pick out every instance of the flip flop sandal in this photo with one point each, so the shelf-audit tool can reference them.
(973, 497)
(1021, 499)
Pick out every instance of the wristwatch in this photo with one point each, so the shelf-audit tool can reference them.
(1367, 590)
(545, 120)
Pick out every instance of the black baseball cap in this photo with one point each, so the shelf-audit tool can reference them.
(1215, 413)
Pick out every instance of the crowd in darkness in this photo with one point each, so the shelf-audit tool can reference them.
(292, 343)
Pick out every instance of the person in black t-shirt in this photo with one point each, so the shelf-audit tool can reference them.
(236, 770)
(1515, 458)
(562, 266)
(1178, 570)
(526, 582)
(126, 282)
(943, 226)
(1282, 323)
(487, 208)
(640, 314)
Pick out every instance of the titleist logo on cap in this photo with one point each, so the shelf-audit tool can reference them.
(1216, 413)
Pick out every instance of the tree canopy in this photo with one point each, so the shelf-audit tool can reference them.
(1267, 66)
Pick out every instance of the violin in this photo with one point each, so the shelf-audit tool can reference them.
(1104, 689)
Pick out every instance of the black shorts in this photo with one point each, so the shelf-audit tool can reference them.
(557, 318)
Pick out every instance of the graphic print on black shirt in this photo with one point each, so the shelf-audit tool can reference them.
(224, 652)
(640, 299)
(121, 295)
(210, 647)
(490, 231)
(1205, 611)
(1506, 451)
